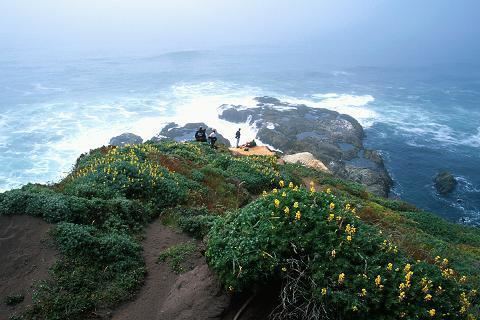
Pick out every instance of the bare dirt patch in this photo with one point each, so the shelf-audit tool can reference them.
(26, 254)
(168, 295)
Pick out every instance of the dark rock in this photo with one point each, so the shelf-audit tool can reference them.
(333, 138)
(186, 133)
(124, 139)
(445, 182)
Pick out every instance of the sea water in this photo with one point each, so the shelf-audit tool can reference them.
(53, 107)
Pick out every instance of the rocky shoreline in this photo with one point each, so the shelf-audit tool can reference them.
(334, 139)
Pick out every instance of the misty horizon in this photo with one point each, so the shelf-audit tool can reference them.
(341, 33)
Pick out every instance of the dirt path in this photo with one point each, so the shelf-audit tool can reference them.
(26, 254)
(167, 295)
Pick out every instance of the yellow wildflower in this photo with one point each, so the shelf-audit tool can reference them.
(407, 267)
(428, 297)
(378, 280)
(281, 184)
(284, 194)
(331, 216)
(290, 185)
(332, 206)
(324, 291)
(286, 210)
(295, 204)
(389, 266)
(363, 293)
(284, 269)
(276, 202)
(349, 238)
(334, 253)
(355, 308)
(347, 206)
(298, 215)
(401, 296)
(432, 312)
(275, 190)
(341, 278)
(329, 191)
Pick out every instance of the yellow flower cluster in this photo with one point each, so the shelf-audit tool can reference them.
(350, 230)
(107, 165)
(341, 278)
(298, 215)
(408, 282)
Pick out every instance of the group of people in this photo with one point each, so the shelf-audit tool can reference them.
(201, 136)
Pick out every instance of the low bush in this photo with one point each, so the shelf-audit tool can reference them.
(55, 207)
(331, 264)
(256, 173)
(177, 255)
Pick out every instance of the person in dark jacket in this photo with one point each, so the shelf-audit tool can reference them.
(201, 135)
(237, 136)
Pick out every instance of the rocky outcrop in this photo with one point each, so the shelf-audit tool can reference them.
(173, 131)
(306, 159)
(445, 182)
(333, 138)
(124, 139)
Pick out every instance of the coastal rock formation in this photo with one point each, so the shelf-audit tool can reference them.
(307, 159)
(124, 139)
(333, 138)
(173, 131)
(445, 182)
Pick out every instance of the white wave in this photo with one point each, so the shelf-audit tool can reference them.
(473, 141)
(42, 88)
(355, 106)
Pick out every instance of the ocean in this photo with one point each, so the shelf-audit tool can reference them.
(53, 107)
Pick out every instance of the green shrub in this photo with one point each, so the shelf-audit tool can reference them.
(56, 207)
(256, 173)
(177, 255)
(331, 264)
(96, 269)
(134, 172)
(14, 299)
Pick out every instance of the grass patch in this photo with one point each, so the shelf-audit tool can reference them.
(177, 255)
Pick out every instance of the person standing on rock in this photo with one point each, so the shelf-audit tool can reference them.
(237, 136)
(213, 138)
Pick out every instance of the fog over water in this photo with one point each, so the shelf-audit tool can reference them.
(344, 32)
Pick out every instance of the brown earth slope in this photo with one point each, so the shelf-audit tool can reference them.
(166, 295)
(26, 254)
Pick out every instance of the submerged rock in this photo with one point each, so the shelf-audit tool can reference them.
(124, 139)
(445, 182)
(334, 139)
(173, 131)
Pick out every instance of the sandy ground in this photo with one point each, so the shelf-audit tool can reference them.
(253, 151)
(26, 254)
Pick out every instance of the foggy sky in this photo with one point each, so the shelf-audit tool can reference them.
(350, 31)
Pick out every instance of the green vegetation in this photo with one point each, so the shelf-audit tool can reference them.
(340, 252)
(177, 255)
(330, 263)
(14, 299)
